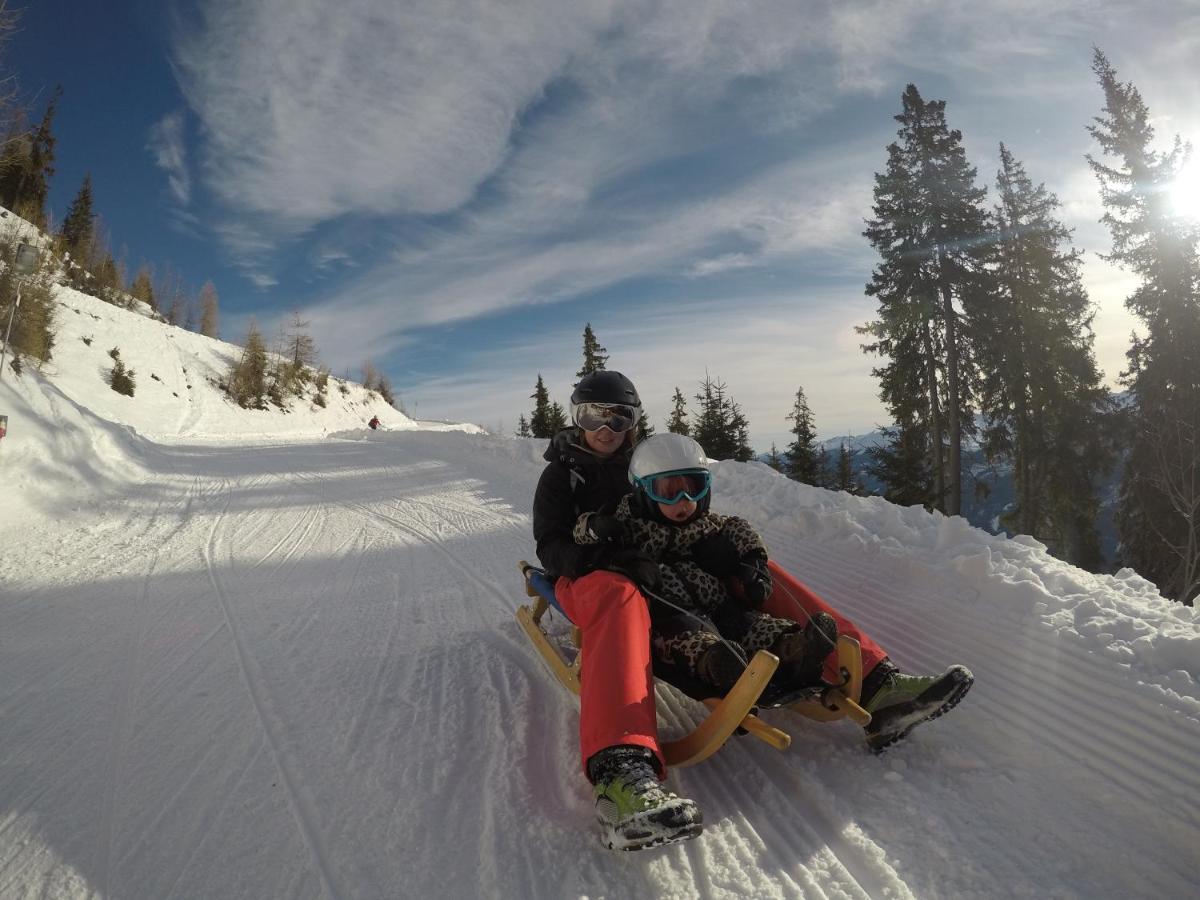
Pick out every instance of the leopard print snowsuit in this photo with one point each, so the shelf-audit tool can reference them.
(699, 606)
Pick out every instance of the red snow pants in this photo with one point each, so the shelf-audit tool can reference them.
(616, 703)
(782, 603)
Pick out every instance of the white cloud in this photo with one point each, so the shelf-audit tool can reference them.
(166, 142)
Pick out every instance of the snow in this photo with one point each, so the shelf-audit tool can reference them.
(252, 654)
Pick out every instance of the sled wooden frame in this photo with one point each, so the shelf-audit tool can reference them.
(728, 714)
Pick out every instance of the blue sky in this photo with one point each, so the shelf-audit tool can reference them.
(453, 189)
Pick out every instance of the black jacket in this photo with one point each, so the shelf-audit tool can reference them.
(575, 481)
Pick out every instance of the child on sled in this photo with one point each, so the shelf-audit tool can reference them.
(709, 576)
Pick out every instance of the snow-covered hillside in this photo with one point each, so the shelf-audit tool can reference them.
(274, 654)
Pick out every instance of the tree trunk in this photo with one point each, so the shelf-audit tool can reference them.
(953, 424)
(935, 419)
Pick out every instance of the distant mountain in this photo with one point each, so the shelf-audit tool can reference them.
(988, 490)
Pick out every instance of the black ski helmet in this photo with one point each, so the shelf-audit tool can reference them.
(605, 386)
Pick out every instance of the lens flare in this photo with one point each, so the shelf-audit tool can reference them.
(1185, 191)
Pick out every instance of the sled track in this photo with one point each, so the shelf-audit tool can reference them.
(303, 812)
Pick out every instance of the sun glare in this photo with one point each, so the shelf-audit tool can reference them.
(1185, 191)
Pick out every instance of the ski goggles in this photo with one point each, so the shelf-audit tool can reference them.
(672, 487)
(616, 417)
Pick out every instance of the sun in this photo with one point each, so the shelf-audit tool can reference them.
(1185, 190)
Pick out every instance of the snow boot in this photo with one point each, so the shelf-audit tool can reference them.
(898, 702)
(802, 653)
(719, 667)
(633, 809)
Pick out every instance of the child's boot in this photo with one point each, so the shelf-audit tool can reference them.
(802, 653)
(898, 702)
(633, 809)
(719, 667)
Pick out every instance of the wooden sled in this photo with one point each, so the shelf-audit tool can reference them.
(729, 714)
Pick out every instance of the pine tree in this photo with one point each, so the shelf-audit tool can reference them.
(77, 228)
(246, 383)
(930, 230)
(843, 479)
(25, 176)
(557, 419)
(678, 423)
(902, 466)
(805, 462)
(1158, 512)
(645, 429)
(774, 459)
(523, 427)
(210, 311)
(541, 422)
(721, 428)
(594, 356)
(1041, 392)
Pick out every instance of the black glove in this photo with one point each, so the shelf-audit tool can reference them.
(756, 581)
(605, 529)
(716, 555)
(636, 566)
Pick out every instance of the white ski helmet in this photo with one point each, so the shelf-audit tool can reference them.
(668, 468)
(662, 453)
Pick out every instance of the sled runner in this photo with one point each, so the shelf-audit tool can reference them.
(732, 713)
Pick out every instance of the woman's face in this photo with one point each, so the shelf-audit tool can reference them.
(604, 442)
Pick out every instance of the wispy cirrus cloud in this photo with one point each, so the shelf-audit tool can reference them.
(166, 143)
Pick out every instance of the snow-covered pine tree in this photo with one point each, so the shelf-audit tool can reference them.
(1159, 508)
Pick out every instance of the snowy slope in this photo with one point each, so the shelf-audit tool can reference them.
(244, 666)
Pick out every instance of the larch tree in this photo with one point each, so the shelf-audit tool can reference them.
(143, 287)
(210, 311)
(1158, 513)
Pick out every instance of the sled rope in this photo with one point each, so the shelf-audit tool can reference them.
(796, 603)
(735, 648)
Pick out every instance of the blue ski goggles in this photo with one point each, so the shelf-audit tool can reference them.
(672, 487)
(616, 417)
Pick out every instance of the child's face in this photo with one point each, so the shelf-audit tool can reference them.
(675, 512)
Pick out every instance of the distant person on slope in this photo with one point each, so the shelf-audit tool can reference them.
(597, 587)
(712, 574)
(374, 423)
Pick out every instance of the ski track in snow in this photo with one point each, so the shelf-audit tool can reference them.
(306, 654)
